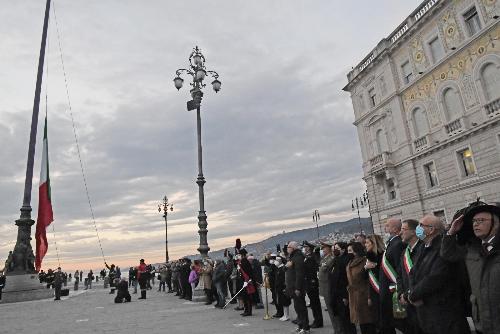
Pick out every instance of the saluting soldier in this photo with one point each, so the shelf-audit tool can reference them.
(325, 267)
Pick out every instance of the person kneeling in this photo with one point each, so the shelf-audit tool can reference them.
(123, 293)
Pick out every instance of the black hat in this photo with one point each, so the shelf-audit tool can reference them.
(466, 232)
(306, 243)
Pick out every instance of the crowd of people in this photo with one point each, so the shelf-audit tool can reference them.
(426, 277)
(423, 277)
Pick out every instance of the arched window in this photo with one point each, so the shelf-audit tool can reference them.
(452, 104)
(490, 79)
(420, 122)
(381, 142)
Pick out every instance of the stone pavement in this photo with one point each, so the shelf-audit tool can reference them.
(93, 311)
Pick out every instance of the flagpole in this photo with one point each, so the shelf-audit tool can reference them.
(22, 260)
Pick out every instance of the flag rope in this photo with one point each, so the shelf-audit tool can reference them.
(75, 134)
(46, 112)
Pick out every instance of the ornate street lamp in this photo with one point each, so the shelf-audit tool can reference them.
(315, 219)
(165, 206)
(360, 202)
(198, 72)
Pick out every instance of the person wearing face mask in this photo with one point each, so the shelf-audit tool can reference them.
(295, 279)
(270, 270)
(474, 237)
(311, 283)
(339, 298)
(435, 285)
(325, 267)
(362, 312)
(206, 277)
(282, 301)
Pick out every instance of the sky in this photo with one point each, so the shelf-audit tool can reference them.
(278, 140)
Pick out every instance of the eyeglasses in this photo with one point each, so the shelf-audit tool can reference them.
(426, 226)
(480, 221)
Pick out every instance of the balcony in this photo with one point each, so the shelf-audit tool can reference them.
(493, 108)
(454, 127)
(381, 161)
(421, 143)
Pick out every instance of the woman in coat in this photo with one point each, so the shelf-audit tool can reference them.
(375, 248)
(362, 310)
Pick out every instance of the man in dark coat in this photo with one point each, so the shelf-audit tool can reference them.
(474, 237)
(58, 281)
(295, 285)
(434, 287)
(123, 294)
(387, 277)
(339, 297)
(311, 267)
(408, 258)
(246, 271)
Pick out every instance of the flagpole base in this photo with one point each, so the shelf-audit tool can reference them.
(20, 288)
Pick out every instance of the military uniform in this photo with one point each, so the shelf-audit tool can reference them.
(325, 267)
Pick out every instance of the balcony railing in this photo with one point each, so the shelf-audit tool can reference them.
(454, 127)
(381, 160)
(493, 108)
(421, 143)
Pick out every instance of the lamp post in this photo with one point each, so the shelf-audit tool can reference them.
(315, 219)
(360, 202)
(165, 206)
(198, 72)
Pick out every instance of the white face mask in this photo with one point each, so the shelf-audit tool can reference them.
(322, 253)
(272, 262)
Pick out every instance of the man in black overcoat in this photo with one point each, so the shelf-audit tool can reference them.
(393, 249)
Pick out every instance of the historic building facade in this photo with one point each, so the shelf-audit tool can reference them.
(427, 109)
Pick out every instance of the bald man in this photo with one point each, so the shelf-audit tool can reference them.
(435, 289)
(388, 276)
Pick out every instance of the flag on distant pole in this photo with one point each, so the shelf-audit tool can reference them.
(45, 214)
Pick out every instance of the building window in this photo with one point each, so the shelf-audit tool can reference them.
(472, 21)
(381, 141)
(407, 72)
(373, 96)
(430, 175)
(452, 104)
(490, 79)
(466, 163)
(436, 49)
(421, 124)
(391, 190)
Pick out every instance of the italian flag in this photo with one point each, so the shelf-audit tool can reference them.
(45, 214)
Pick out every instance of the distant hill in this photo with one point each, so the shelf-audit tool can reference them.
(337, 230)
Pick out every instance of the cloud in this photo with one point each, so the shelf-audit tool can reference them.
(278, 140)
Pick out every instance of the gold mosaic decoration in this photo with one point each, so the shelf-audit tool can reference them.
(454, 68)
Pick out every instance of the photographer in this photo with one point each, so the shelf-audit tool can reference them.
(473, 237)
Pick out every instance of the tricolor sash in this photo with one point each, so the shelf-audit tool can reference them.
(389, 271)
(372, 278)
(407, 262)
